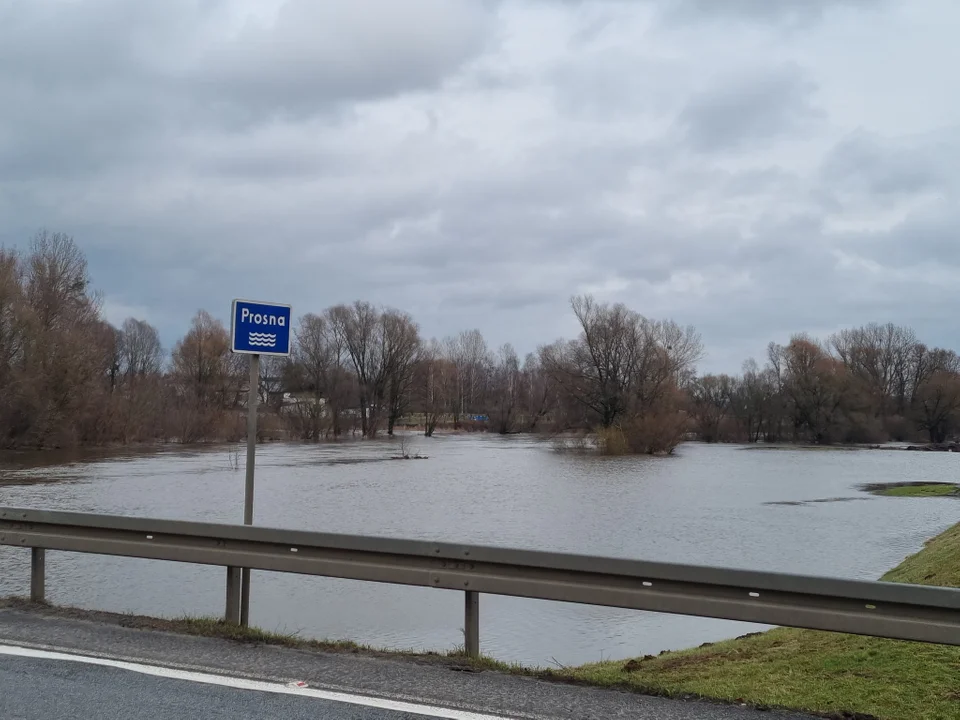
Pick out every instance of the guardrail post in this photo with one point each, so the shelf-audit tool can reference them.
(471, 624)
(232, 614)
(245, 597)
(38, 579)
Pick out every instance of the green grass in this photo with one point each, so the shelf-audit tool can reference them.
(931, 490)
(937, 564)
(827, 673)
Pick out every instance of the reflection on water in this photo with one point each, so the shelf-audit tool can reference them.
(789, 511)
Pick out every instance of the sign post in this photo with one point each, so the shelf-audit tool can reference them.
(256, 328)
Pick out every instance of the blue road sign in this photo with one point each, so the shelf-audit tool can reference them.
(259, 328)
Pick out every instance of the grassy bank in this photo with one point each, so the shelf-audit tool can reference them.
(826, 673)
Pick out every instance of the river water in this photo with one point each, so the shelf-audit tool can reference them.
(797, 511)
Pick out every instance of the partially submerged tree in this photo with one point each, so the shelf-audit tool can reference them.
(383, 346)
(625, 373)
(435, 384)
(310, 373)
(206, 376)
(507, 388)
(937, 406)
(400, 337)
(712, 398)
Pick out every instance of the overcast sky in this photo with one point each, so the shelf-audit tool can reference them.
(751, 167)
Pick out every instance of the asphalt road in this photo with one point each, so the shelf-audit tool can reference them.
(43, 689)
(124, 672)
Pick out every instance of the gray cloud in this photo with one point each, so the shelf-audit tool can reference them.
(866, 163)
(777, 11)
(315, 53)
(477, 163)
(750, 109)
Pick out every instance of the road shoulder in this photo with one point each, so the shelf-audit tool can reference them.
(414, 679)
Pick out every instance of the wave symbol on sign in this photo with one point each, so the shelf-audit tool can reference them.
(262, 339)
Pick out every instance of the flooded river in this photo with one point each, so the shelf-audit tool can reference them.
(794, 511)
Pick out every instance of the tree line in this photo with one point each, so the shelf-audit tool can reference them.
(867, 384)
(628, 382)
(360, 368)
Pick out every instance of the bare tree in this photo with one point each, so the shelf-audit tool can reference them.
(879, 355)
(626, 372)
(435, 385)
(201, 359)
(359, 325)
(938, 405)
(383, 348)
(507, 390)
(312, 363)
(539, 393)
(318, 369)
(57, 281)
(666, 361)
(141, 353)
(711, 400)
(61, 375)
(470, 356)
(599, 369)
(207, 376)
(342, 388)
(816, 385)
(401, 351)
(13, 318)
(755, 402)
(110, 340)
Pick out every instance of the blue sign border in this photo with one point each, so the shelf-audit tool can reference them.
(233, 327)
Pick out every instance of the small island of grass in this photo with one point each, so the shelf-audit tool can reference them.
(931, 490)
(914, 489)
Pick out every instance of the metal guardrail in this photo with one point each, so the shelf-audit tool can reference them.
(891, 610)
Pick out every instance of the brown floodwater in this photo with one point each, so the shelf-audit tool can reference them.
(797, 511)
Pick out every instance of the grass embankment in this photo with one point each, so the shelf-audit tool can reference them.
(827, 673)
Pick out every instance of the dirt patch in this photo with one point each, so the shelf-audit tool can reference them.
(681, 662)
(636, 663)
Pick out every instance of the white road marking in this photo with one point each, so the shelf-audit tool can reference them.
(246, 684)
